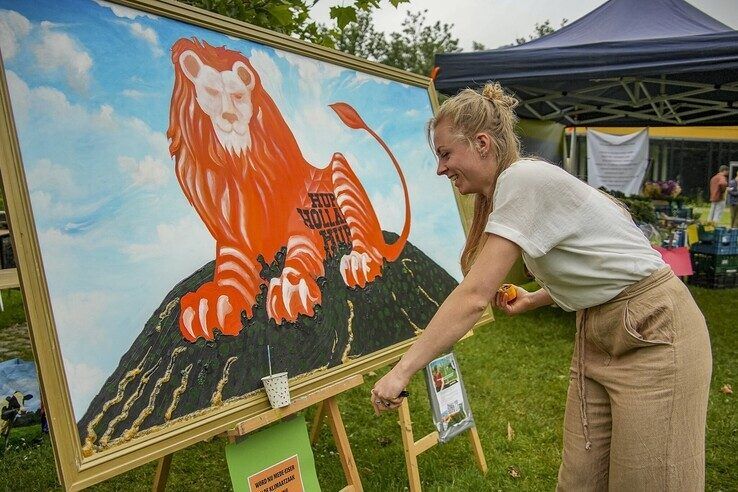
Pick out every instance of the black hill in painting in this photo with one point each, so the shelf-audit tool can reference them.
(163, 377)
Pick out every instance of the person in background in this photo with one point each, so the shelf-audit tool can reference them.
(733, 200)
(718, 184)
(636, 406)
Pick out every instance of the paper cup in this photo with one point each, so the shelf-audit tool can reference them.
(277, 389)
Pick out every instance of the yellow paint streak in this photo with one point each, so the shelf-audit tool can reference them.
(127, 406)
(335, 342)
(87, 449)
(128, 434)
(417, 329)
(178, 392)
(345, 357)
(167, 311)
(421, 289)
(217, 399)
(427, 296)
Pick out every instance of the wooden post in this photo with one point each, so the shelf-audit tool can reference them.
(476, 445)
(414, 448)
(162, 473)
(408, 443)
(317, 422)
(343, 446)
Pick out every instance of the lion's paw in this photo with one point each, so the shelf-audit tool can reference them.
(210, 307)
(292, 294)
(358, 269)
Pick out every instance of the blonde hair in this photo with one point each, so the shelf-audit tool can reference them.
(468, 113)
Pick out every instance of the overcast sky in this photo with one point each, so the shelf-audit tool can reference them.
(498, 22)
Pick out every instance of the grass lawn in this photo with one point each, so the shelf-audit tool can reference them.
(516, 372)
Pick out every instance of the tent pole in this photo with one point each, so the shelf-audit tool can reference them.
(572, 160)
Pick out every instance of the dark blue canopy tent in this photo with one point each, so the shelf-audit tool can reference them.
(626, 63)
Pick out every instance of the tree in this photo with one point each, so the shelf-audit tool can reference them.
(291, 17)
(415, 47)
(412, 49)
(541, 30)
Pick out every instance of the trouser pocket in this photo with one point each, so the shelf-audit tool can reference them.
(643, 321)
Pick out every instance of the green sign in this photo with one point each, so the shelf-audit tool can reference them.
(276, 459)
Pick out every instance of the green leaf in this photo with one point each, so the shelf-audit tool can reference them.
(395, 3)
(343, 15)
(282, 13)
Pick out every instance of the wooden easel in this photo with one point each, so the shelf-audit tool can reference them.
(413, 448)
(325, 397)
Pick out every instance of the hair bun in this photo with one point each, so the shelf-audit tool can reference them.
(494, 93)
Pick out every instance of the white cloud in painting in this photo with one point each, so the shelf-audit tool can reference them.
(85, 382)
(314, 74)
(147, 172)
(45, 175)
(125, 12)
(57, 51)
(50, 106)
(186, 240)
(133, 94)
(13, 28)
(270, 75)
(147, 34)
(362, 78)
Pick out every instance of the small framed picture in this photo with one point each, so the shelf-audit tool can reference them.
(449, 403)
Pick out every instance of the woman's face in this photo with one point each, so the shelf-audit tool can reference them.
(470, 168)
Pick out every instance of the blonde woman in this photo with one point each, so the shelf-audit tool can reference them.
(637, 399)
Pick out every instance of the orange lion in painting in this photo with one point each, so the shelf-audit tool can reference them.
(242, 170)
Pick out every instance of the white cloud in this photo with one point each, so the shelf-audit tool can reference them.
(49, 106)
(85, 382)
(148, 172)
(133, 93)
(311, 71)
(13, 28)
(362, 78)
(58, 51)
(149, 35)
(20, 96)
(269, 73)
(125, 12)
(412, 113)
(44, 175)
(186, 240)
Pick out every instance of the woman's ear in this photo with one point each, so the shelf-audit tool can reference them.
(483, 143)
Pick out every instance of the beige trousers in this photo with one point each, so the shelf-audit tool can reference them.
(637, 400)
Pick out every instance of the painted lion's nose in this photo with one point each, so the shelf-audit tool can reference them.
(230, 117)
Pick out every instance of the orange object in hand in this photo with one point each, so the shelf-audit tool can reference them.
(510, 290)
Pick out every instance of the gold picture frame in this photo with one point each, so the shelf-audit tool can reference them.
(75, 470)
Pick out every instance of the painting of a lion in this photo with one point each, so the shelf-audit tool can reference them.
(241, 168)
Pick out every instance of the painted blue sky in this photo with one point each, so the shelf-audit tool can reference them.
(90, 84)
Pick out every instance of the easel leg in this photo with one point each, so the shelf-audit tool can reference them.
(317, 423)
(408, 443)
(476, 445)
(343, 446)
(162, 473)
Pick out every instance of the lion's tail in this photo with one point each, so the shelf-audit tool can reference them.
(352, 119)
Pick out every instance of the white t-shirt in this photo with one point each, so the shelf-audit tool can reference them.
(582, 247)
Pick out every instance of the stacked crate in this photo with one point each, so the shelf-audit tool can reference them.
(715, 259)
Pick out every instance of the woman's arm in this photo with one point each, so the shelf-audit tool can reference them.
(453, 320)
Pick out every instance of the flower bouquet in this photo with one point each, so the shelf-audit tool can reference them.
(662, 190)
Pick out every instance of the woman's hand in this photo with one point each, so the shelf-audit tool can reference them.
(523, 302)
(385, 394)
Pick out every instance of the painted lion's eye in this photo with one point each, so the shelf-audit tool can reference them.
(212, 91)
